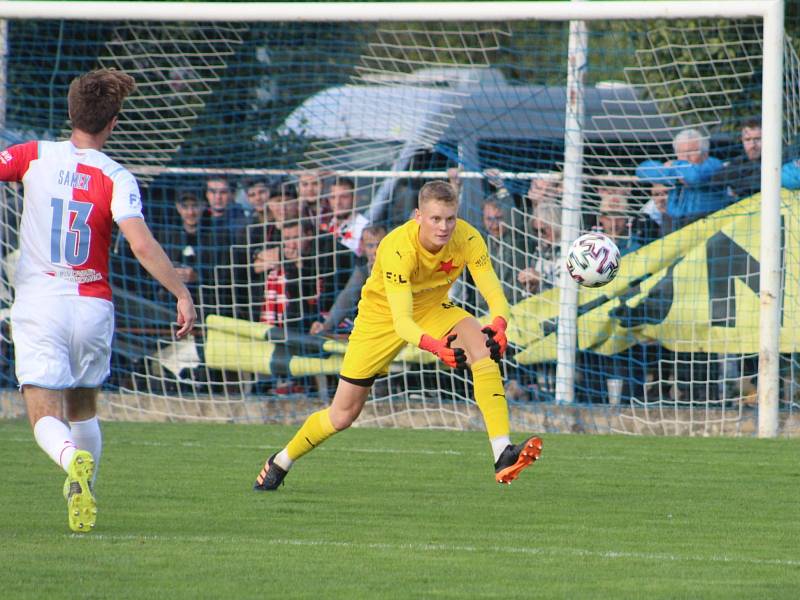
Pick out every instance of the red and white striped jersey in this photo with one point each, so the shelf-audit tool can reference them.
(71, 197)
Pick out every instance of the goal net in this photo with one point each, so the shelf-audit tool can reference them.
(273, 157)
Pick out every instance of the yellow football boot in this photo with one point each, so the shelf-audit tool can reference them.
(81, 505)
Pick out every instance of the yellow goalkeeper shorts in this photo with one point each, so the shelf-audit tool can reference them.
(373, 344)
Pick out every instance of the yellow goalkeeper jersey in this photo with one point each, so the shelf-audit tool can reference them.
(407, 281)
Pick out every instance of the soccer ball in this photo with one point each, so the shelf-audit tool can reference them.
(593, 259)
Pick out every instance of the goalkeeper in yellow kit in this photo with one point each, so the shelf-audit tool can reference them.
(405, 300)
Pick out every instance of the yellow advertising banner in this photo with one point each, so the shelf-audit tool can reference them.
(696, 289)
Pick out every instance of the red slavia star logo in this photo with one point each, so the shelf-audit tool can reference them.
(445, 266)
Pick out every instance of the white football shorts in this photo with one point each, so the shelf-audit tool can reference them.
(62, 342)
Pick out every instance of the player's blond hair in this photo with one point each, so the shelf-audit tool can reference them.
(95, 98)
(440, 191)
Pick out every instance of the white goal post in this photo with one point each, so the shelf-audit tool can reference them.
(771, 12)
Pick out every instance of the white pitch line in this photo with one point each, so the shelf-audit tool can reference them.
(323, 448)
(265, 447)
(439, 548)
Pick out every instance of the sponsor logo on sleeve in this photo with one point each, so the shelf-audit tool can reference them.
(395, 277)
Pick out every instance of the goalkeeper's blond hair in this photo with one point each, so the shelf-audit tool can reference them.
(440, 191)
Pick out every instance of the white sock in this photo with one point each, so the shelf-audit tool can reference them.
(87, 436)
(282, 460)
(55, 438)
(499, 444)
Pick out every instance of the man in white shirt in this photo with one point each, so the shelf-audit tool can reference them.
(343, 221)
(62, 318)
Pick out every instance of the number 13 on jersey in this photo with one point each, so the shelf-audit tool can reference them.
(70, 241)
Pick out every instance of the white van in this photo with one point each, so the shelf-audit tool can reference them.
(474, 117)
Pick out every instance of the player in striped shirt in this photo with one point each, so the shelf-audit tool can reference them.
(62, 318)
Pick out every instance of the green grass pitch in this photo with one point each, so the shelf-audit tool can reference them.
(405, 514)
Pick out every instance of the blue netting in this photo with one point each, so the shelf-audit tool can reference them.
(267, 104)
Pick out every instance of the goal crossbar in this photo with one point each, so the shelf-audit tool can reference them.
(385, 11)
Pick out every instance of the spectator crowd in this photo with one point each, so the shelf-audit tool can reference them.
(293, 252)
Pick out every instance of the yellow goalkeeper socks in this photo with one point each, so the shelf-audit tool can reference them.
(491, 399)
(315, 430)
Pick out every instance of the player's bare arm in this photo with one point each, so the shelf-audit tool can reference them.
(153, 258)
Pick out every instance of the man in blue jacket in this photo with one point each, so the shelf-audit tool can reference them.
(790, 175)
(694, 194)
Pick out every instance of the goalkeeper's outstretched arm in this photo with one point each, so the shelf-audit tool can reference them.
(489, 286)
(401, 303)
(486, 280)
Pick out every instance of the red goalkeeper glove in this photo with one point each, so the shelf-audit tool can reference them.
(452, 357)
(497, 341)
